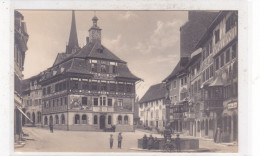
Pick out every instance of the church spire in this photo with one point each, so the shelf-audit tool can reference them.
(73, 39)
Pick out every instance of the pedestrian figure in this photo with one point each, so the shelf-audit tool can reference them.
(156, 143)
(145, 142)
(150, 142)
(178, 143)
(111, 140)
(217, 137)
(119, 140)
(51, 128)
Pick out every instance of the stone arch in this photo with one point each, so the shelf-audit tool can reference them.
(126, 119)
(62, 119)
(77, 119)
(119, 119)
(84, 119)
(57, 120)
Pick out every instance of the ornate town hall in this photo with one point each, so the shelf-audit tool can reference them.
(88, 88)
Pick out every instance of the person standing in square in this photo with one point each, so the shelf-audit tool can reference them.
(111, 140)
(120, 138)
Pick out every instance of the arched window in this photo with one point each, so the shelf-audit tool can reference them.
(29, 116)
(125, 119)
(119, 119)
(62, 119)
(39, 117)
(95, 119)
(109, 119)
(77, 118)
(45, 120)
(84, 119)
(56, 119)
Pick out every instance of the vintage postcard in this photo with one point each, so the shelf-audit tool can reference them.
(127, 80)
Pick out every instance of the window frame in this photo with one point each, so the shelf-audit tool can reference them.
(84, 101)
(217, 35)
(95, 101)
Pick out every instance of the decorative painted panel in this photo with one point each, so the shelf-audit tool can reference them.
(76, 103)
(227, 38)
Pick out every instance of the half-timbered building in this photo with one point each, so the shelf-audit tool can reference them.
(88, 88)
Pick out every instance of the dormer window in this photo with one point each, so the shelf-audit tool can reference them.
(100, 50)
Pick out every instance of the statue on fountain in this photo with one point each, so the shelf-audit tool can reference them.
(167, 133)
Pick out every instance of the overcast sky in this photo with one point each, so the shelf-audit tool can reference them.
(149, 41)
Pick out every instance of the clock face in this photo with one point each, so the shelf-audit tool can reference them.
(92, 33)
(95, 34)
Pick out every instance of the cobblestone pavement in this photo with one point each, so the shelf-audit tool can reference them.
(41, 140)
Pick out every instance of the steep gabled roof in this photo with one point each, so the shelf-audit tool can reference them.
(60, 57)
(178, 68)
(124, 72)
(79, 66)
(98, 51)
(77, 60)
(155, 92)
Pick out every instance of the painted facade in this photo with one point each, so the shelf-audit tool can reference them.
(214, 100)
(212, 82)
(88, 88)
(190, 34)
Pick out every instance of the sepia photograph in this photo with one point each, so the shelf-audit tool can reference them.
(131, 81)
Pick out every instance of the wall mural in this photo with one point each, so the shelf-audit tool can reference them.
(76, 103)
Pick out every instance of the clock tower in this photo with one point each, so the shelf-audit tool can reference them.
(95, 31)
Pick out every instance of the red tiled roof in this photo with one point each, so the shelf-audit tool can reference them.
(155, 92)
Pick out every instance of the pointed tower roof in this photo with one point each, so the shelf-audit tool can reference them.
(73, 39)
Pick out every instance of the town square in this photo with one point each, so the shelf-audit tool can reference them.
(126, 81)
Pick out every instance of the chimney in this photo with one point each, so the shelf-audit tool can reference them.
(87, 39)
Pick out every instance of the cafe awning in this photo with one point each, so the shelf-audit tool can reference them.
(217, 82)
(23, 113)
